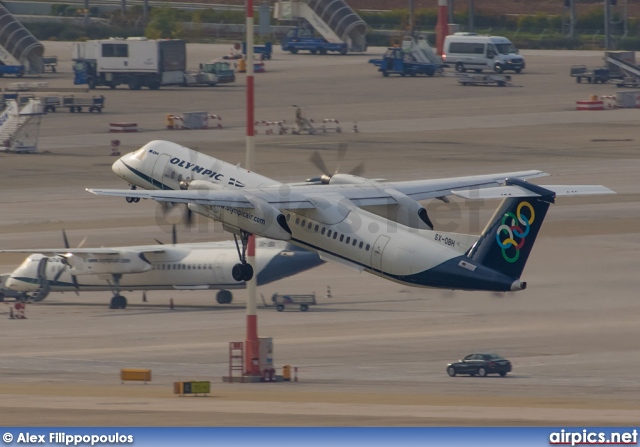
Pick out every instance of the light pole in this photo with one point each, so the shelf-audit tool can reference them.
(471, 12)
(607, 25)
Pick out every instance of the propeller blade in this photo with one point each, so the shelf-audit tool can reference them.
(75, 283)
(318, 162)
(64, 238)
(82, 242)
(159, 242)
(174, 235)
(342, 152)
(358, 170)
(188, 217)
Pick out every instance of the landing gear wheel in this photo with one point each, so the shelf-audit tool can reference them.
(224, 297)
(238, 272)
(248, 272)
(118, 302)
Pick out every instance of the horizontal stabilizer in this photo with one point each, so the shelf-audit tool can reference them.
(501, 192)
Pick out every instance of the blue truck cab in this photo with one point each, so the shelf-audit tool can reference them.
(303, 39)
(17, 70)
(403, 63)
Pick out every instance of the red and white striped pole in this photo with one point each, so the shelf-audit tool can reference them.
(442, 27)
(252, 348)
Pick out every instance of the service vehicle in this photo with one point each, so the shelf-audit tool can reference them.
(595, 75)
(403, 63)
(222, 70)
(303, 301)
(480, 364)
(265, 50)
(303, 39)
(484, 79)
(135, 61)
(94, 104)
(469, 51)
(16, 70)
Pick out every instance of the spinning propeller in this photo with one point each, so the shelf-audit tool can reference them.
(319, 163)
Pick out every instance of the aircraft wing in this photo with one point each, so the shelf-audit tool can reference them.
(302, 197)
(81, 252)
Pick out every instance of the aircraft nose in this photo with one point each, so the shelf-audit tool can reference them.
(119, 168)
(16, 284)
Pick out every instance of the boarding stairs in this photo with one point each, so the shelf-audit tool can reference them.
(630, 69)
(332, 19)
(420, 49)
(19, 128)
(18, 46)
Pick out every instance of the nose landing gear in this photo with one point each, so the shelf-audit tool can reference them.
(133, 199)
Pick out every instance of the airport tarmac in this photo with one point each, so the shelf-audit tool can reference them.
(375, 352)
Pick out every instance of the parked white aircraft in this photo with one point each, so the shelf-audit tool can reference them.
(362, 223)
(195, 266)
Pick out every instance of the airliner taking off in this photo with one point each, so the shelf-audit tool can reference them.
(194, 266)
(379, 227)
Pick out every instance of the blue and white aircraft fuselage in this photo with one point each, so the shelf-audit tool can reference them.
(378, 227)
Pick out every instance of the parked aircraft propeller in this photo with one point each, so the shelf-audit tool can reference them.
(317, 160)
(174, 236)
(66, 245)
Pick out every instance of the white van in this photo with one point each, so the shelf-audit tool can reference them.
(468, 51)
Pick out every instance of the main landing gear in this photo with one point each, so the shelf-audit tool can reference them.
(133, 199)
(117, 301)
(242, 271)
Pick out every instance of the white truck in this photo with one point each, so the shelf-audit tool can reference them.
(136, 61)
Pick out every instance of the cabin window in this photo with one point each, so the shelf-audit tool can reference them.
(329, 233)
(355, 241)
(367, 247)
(323, 230)
(347, 241)
(341, 237)
(304, 222)
(297, 220)
(335, 235)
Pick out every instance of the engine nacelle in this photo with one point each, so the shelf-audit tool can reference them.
(121, 263)
(262, 220)
(406, 211)
(348, 179)
(201, 185)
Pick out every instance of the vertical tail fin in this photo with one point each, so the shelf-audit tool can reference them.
(506, 242)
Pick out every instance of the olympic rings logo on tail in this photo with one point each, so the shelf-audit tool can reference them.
(513, 231)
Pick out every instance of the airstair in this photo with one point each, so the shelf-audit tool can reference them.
(420, 49)
(332, 19)
(18, 46)
(19, 129)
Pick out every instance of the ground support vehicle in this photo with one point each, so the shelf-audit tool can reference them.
(600, 74)
(480, 365)
(397, 61)
(221, 70)
(469, 51)
(302, 39)
(488, 79)
(50, 63)
(265, 50)
(16, 70)
(94, 104)
(135, 61)
(303, 301)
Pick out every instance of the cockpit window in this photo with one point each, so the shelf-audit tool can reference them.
(140, 154)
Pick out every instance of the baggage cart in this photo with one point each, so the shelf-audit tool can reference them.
(303, 301)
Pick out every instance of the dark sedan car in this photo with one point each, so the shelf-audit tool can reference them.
(480, 365)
